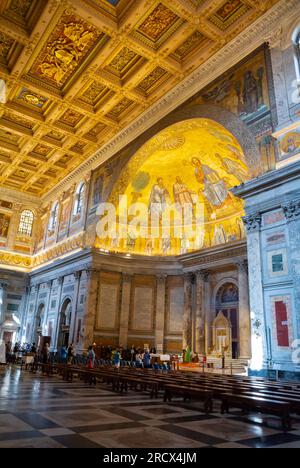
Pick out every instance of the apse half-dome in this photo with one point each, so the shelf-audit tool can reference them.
(195, 162)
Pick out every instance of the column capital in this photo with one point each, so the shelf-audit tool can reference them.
(90, 272)
(292, 210)
(161, 279)
(274, 40)
(127, 277)
(60, 279)
(202, 275)
(3, 285)
(17, 206)
(253, 222)
(49, 283)
(188, 276)
(77, 275)
(242, 266)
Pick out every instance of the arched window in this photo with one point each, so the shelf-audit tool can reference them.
(26, 223)
(53, 217)
(79, 201)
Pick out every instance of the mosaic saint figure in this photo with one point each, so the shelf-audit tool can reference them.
(159, 198)
(182, 195)
(232, 167)
(220, 235)
(214, 188)
(166, 244)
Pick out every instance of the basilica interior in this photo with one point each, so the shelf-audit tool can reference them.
(149, 200)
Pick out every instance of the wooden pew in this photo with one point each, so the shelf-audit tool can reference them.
(258, 404)
(190, 393)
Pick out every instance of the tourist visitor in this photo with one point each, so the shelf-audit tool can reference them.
(70, 353)
(64, 355)
(91, 357)
(117, 359)
(147, 359)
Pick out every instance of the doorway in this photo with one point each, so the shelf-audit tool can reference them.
(64, 324)
(227, 302)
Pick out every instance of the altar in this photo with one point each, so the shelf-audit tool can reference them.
(221, 336)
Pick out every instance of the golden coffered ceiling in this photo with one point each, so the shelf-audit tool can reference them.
(79, 71)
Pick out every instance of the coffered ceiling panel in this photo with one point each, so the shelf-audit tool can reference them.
(78, 71)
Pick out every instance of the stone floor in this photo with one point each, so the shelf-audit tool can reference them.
(42, 412)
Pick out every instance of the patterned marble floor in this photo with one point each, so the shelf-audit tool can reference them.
(45, 412)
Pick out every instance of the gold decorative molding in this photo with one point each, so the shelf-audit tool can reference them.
(30, 263)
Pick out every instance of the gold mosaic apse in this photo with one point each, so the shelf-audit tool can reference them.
(196, 162)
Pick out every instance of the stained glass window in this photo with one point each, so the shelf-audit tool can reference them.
(26, 223)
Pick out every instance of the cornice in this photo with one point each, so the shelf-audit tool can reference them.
(269, 181)
(19, 197)
(249, 40)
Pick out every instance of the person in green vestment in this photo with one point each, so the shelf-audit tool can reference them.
(188, 354)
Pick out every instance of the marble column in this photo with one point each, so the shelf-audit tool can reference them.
(125, 309)
(3, 301)
(187, 314)
(24, 308)
(244, 311)
(160, 311)
(72, 335)
(259, 344)
(209, 313)
(48, 303)
(201, 277)
(89, 317)
(34, 321)
(60, 280)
